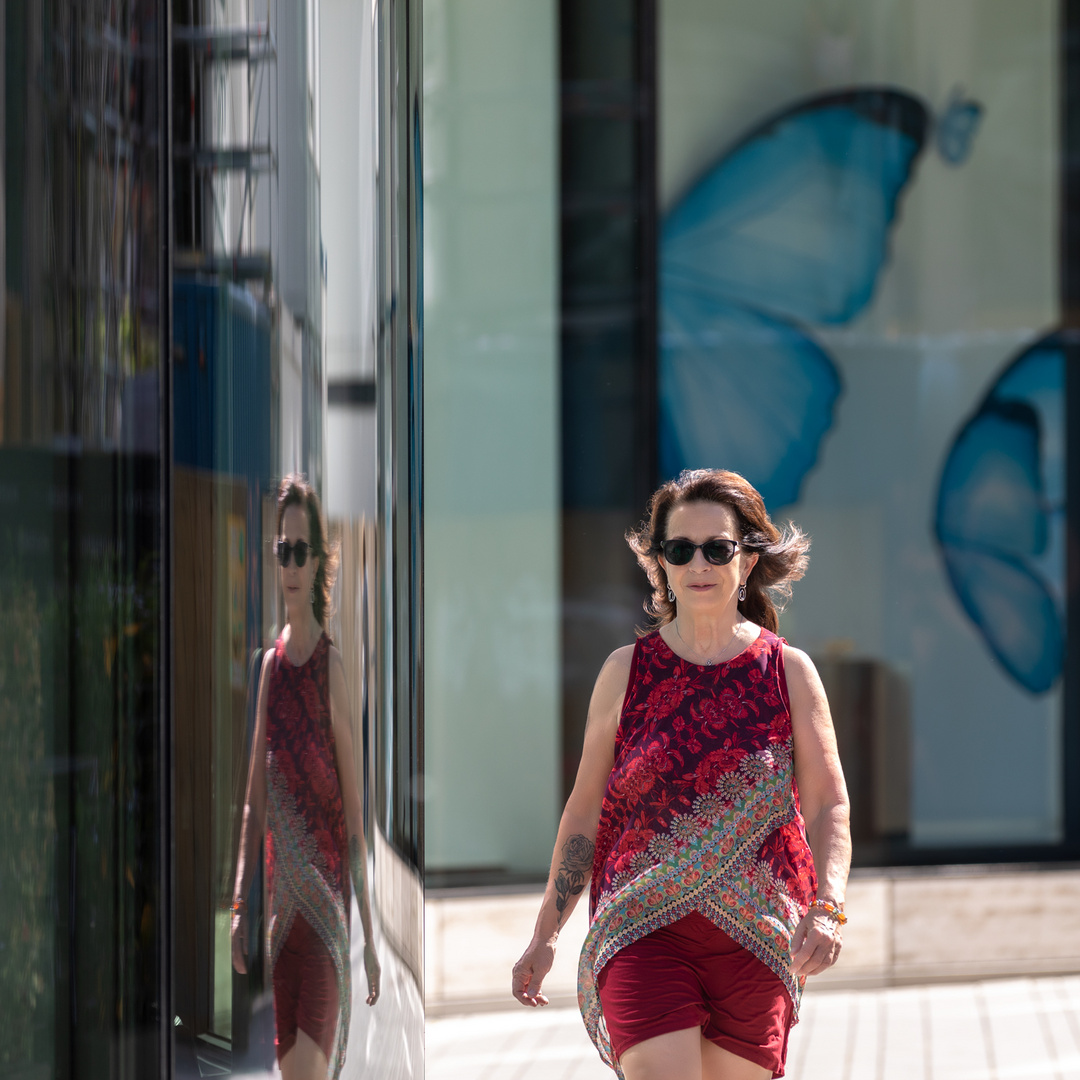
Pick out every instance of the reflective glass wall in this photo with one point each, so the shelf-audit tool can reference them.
(210, 281)
(84, 903)
(293, 278)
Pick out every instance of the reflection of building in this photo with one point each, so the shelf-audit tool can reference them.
(163, 364)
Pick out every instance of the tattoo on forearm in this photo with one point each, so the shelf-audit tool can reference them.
(574, 870)
(356, 866)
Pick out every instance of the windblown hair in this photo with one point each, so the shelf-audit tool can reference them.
(296, 491)
(782, 555)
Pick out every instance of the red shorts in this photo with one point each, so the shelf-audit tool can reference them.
(305, 990)
(692, 974)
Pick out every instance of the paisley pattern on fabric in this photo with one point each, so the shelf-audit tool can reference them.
(306, 841)
(701, 813)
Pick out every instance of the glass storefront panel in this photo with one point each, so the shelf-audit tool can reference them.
(158, 379)
(83, 915)
(277, 322)
(491, 458)
(859, 289)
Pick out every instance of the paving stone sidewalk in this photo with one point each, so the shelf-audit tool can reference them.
(1015, 1029)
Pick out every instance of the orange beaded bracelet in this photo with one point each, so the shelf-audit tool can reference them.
(834, 911)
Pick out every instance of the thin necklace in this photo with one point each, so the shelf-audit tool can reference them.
(711, 663)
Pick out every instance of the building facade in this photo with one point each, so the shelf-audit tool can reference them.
(830, 245)
(487, 272)
(199, 292)
(827, 245)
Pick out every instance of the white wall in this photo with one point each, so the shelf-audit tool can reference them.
(491, 571)
(348, 117)
(297, 236)
(347, 82)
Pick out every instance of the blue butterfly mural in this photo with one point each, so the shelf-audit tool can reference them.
(956, 129)
(788, 229)
(1000, 519)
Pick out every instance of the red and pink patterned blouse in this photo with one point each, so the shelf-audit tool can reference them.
(701, 813)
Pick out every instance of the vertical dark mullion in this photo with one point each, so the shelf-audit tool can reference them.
(1070, 308)
(608, 323)
(384, 406)
(64, 481)
(416, 422)
(399, 393)
(647, 165)
(165, 928)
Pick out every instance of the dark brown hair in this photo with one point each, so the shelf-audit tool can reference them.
(296, 491)
(782, 555)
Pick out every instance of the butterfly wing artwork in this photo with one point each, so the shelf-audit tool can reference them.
(955, 130)
(789, 227)
(764, 417)
(1000, 515)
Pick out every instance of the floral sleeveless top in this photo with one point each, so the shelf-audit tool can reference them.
(306, 843)
(701, 813)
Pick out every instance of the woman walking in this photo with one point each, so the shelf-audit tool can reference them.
(709, 812)
(302, 792)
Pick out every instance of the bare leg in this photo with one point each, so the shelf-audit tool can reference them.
(687, 1055)
(305, 1061)
(720, 1064)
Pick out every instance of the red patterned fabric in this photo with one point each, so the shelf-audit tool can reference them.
(701, 813)
(682, 976)
(306, 843)
(305, 991)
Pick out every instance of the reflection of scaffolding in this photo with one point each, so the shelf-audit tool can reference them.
(232, 97)
(80, 318)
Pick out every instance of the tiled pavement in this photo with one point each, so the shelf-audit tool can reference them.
(1015, 1029)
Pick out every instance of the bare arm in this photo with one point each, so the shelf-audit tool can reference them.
(572, 859)
(824, 801)
(254, 821)
(341, 713)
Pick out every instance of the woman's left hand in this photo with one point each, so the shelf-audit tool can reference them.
(374, 973)
(816, 944)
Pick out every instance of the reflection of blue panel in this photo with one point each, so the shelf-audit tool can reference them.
(792, 223)
(221, 381)
(1000, 515)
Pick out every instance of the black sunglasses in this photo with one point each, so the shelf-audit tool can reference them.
(285, 551)
(680, 552)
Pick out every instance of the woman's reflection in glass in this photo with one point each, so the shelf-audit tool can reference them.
(302, 792)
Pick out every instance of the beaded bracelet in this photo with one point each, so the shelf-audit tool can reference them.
(834, 911)
(238, 906)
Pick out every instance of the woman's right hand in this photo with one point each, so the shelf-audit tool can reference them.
(529, 973)
(239, 940)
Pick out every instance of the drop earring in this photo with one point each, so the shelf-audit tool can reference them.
(311, 595)
(670, 595)
(742, 592)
